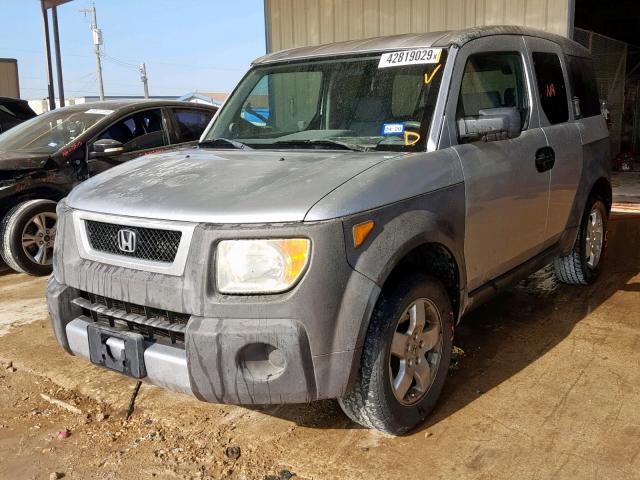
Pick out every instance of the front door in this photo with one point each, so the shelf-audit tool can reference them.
(139, 133)
(506, 188)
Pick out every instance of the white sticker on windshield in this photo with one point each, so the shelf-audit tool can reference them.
(417, 56)
(99, 111)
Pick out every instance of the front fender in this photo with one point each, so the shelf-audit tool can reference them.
(433, 218)
(436, 217)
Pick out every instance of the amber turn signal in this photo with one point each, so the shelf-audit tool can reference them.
(361, 231)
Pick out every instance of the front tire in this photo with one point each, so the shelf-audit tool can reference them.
(582, 265)
(28, 232)
(405, 358)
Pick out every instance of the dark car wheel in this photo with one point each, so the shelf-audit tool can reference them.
(28, 234)
(405, 357)
(583, 264)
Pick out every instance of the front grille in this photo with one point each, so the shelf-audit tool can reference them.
(151, 243)
(152, 323)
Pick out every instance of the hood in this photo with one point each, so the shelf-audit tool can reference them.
(22, 160)
(220, 186)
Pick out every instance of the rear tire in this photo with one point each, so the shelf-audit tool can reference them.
(404, 365)
(582, 266)
(28, 233)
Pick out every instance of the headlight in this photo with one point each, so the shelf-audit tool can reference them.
(260, 266)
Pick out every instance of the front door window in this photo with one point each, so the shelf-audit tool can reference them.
(140, 131)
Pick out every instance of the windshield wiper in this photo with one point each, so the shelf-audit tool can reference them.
(224, 143)
(326, 142)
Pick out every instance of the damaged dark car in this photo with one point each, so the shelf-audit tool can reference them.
(42, 159)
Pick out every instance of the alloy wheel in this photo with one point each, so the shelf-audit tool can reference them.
(416, 350)
(595, 238)
(38, 237)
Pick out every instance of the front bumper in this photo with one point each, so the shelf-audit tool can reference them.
(240, 361)
(295, 347)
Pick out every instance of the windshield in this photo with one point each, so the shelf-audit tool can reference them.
(49, 132)
(377, 102)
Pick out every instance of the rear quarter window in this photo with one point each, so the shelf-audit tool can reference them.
(551, 87)
(584, 88)
(191, 123)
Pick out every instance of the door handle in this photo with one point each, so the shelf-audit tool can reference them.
(545, 159)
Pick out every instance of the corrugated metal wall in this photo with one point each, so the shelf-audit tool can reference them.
(294, 23)
(9, 86)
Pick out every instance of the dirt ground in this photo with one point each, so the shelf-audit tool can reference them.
(548, 388)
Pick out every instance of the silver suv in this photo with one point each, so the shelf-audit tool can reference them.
(347, 206)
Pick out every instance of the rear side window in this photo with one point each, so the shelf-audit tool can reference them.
(584, 89)
(551, 87)
(191, 123)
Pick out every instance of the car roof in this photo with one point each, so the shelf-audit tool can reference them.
(11, 100)
(448, 38)
(135, 104)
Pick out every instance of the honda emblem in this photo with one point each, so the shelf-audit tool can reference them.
(127, 240)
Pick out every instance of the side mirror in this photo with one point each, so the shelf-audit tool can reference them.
(492, 124)
(106, 147)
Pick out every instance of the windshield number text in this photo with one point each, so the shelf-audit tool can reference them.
(410, 57)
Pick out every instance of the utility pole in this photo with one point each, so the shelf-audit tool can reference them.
(143, 77)
(47, 49)
(56, 48)
(97, 41)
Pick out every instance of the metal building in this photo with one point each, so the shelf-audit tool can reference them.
(9, 83)
(294, 23)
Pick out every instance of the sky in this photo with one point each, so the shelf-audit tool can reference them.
(187, 45)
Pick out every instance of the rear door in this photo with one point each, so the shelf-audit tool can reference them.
(560, 129)
(506, 195)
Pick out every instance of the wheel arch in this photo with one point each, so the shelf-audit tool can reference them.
(602, 188)
(44, 193)
(434, 259)
(421, 254)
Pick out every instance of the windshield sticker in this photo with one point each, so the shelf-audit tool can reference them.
(52, 144)
(418, 56)
(99, 111)
(429, 76)
(392, 129)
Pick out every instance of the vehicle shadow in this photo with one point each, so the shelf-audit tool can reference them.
(508, 333)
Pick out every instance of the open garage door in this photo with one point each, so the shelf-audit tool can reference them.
(610, 63)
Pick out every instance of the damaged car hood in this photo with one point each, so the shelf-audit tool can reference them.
(220, 186)
(22, 161)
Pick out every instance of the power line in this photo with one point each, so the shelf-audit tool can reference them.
(151, 62)
(119, 62)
